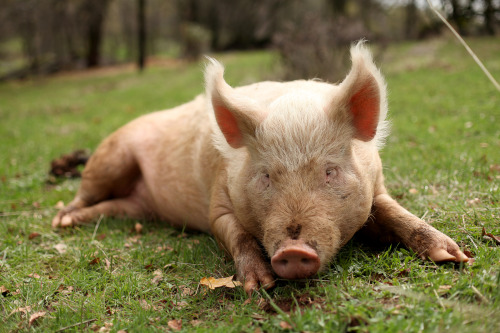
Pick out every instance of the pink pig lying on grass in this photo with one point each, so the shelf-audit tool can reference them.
(289, 168)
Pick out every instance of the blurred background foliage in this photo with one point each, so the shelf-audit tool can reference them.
(41, 37)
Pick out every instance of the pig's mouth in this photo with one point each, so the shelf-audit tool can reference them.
(294, 259)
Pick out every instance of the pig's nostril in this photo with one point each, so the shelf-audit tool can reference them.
(295, 261)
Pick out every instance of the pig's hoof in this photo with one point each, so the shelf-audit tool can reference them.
(252, 282)
(442, 255)
(432, 244)
(62, 220)
(444, 249)
(67, 221)
(56, 221)
(255, 273)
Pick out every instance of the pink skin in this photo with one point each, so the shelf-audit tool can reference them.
(295, 260)
(272, 165)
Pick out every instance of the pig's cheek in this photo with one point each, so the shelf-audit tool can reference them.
(260, 192)
(328, 247)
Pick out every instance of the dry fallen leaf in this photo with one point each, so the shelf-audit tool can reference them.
(61, 248)
(196, 322)
(95, 261)
(164, 248)
(181, 304)
(34, 275)
(213, 283)
(284, 325)
(187, 291)
(443, 289)
(100, 236)
(144, 304)
(473, 202)
(134, 239)
(156, 279)
(107, 263)
(158, 276)
(106, 328)
(257, 316)
(35, 316)
(110, 311)
(169, 266)
(4, 291)
(175, 324)
(68, 290)
(468, 254)
(33, 235)
(413, 191)
(493, 237)
(23, 310)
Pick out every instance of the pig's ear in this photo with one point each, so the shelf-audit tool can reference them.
(237, 116)
(363, 95)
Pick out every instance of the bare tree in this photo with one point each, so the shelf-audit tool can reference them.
(93, 14)
(411, 19)
(141, 33)
(490, 13)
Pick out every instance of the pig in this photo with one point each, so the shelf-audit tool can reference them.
(282, 174)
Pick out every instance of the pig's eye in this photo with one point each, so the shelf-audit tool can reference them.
(265, 180)
(330, 174)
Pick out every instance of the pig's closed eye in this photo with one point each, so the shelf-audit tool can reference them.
(330, 174)
(265, 180)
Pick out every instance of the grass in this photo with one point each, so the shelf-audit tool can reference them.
(441, 162)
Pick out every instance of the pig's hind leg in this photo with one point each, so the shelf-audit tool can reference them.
(393, 223)
(111, 186)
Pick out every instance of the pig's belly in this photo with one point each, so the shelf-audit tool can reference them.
(180, 203)
(166, 145)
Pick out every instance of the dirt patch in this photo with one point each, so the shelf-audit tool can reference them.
(67, 165)
(289, 304)
(122, 68)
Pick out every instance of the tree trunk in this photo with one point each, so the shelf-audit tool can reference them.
(338, 6)
(141, 29)
(95, 12)
(411, 20)
(458, 17)
(489, 18)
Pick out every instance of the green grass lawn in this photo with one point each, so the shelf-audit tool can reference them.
(442, 162)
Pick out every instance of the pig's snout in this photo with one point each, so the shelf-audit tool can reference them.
(295, 260)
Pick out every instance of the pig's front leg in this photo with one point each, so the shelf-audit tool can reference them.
(394, 223)
(252, 267)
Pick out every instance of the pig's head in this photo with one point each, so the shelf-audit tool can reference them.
(301, 186)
